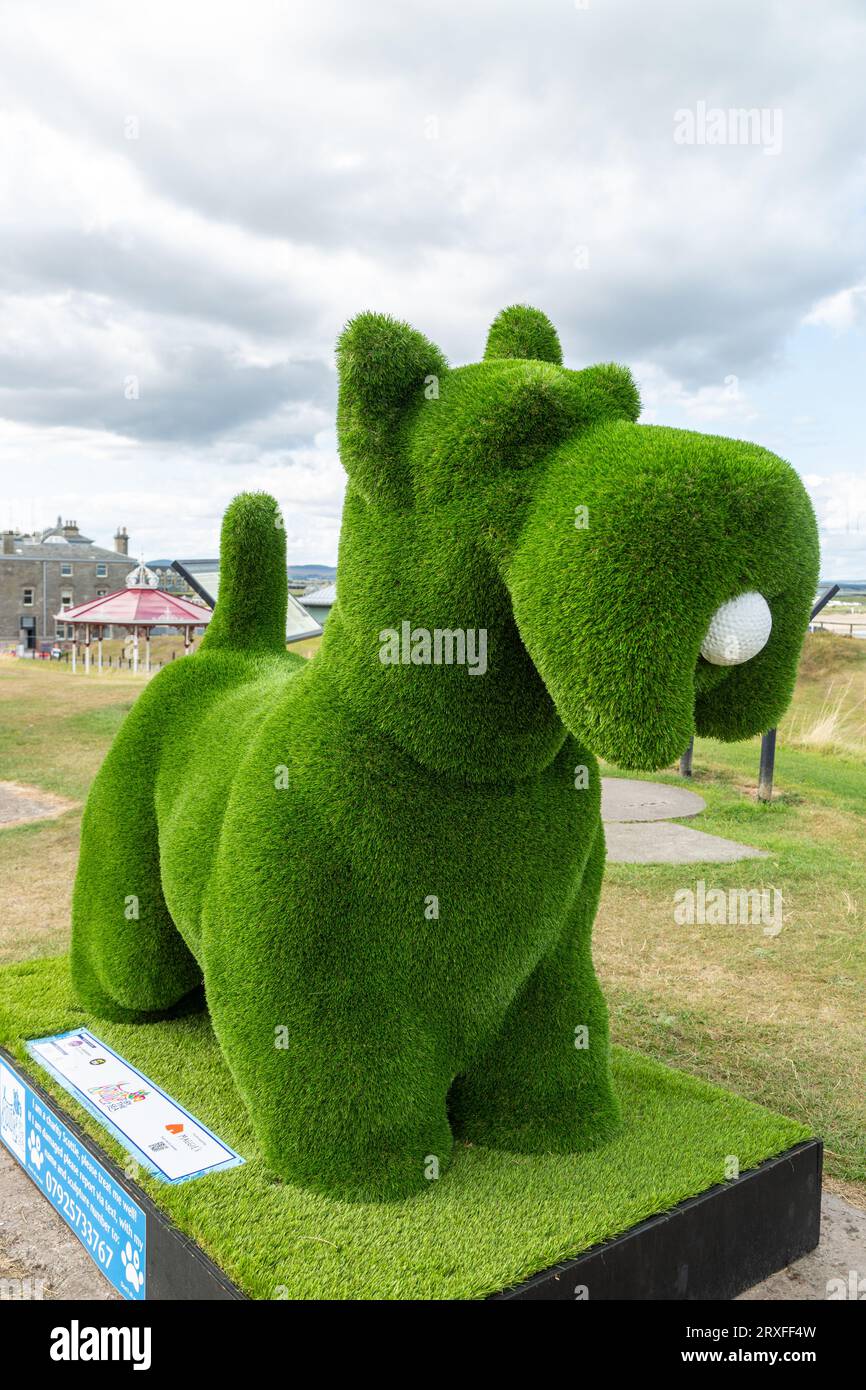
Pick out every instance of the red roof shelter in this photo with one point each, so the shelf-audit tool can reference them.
(139, 607)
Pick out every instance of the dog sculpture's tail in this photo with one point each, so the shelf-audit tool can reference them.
(250, 613)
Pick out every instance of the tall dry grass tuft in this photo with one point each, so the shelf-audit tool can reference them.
(838, 727)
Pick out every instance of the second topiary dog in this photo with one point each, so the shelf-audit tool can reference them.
(385, 863)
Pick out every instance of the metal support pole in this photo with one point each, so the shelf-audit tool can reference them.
(768, 761)
(824, 599)
(686, 759)
(768, 740)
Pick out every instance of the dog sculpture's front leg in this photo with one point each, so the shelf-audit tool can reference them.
(339, 1105)
(337, 1059)
(544, 1085)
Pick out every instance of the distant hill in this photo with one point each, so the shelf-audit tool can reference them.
(321, 573)
(325, 573)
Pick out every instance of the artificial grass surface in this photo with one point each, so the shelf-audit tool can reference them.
(494, 1219)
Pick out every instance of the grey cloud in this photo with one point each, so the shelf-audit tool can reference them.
(144, 275)
(555, 128)
(191, 394)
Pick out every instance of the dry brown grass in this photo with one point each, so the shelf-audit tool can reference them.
(37, 866)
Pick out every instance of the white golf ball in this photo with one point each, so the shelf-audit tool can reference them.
(738, 630)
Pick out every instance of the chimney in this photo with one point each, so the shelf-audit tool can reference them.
(8, 543)
(70, 528)
(121, 541)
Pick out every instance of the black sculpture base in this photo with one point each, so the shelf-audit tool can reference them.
(713, 1246)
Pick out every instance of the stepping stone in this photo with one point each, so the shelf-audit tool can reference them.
(662, 843)
(635, 816)
(627, 799)
(19, 804)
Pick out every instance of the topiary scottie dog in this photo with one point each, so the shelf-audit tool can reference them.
(385, 862)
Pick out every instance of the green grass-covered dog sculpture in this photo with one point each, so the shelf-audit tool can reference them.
(385, 862)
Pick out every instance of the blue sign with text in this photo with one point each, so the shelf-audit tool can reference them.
(109, 1224)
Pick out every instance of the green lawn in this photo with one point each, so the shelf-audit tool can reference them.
(492, 1220)
(780, 1019)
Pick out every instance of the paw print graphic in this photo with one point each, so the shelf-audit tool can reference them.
(132, 1266)
(37, 1157)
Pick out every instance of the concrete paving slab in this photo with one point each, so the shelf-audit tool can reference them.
(627, 799)
(20, 804)
(835, 1270)
(664, 843)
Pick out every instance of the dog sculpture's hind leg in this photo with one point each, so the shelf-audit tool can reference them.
(128, 958)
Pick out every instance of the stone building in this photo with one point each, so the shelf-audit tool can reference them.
(43, 573)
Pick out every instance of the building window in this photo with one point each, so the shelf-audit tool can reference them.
(100, 593)
(66, 598)
(27, 599)
(60, 631)
(66, 568)
(101, 571)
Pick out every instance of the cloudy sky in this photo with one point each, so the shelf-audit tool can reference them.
(196, 196)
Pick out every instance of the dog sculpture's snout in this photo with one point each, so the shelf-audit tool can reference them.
(738, 630)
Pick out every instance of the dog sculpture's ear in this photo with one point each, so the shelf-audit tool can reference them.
(523, 332)
(386, 371)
